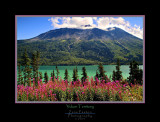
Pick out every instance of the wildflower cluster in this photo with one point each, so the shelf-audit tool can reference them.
(89, 90)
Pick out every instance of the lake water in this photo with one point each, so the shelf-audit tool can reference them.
(91, 70)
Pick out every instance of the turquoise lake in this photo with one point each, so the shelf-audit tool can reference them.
(91, 70)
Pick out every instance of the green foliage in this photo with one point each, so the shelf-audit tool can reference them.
(97, 75)
(20, 78)
(84, 74)
(117, 98)
(45, 77)
(26, 64)
(75, 74)
(40, 75)
(77, 91)
(114, 76)
(53, 75)
(57, 71)
(38, 61)
(117, 75)
(101, 74)
(136, 74)
(83, 52)
(35, 65)
(66, 74)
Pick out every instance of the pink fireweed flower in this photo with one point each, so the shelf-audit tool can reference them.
(33, 93)
(112, 83)
(33, 83)
(46, 94)
(116, 87)
(42, 96)
(82, 92)
(85, 87)
(63, 89)
(50, 92)
(66, 82)
(117, 81)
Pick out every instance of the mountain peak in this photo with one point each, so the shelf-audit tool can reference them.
(112, 33)
(85, 46)
(86, 25)
(110, 28)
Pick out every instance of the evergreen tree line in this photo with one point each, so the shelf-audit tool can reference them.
(30, 70)
(135, 74)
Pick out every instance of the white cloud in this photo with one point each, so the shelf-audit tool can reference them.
(103, 22)
(71, 22)
(117, 21)
(96, 22)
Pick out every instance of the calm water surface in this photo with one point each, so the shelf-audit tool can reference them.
(91, 70)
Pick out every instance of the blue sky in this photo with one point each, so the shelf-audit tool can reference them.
(29, 27)
(135, 20)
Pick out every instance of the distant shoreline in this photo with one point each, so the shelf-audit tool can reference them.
(83, 65)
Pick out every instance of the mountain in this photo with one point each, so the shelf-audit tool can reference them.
(72, 46)
(85, 34)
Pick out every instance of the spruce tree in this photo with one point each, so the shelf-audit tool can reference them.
(130, 78)
(57, 71)
(75, 75)
(114, 76)
(20, 78)
(135, 73)
(40, 75)
(101, 75)
(45, 77)
(118, 73)
(97, 75)
(53, 75)
(37, 63)
(34, 66)
(140, 76)
(77, 72)
(66, 74)
(84, 74)
(26, 64)
(135, 70)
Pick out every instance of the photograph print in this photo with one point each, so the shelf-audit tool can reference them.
(80, 59)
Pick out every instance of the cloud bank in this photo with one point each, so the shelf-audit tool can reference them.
(96, 22)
